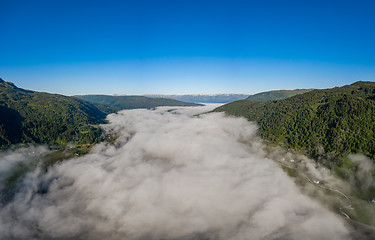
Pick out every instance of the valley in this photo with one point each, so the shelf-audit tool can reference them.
(341, 181)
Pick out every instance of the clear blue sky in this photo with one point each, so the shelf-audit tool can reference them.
(176, 47)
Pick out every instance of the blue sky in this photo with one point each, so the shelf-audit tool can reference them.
(179, 47)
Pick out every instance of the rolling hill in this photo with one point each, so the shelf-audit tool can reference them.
(329, 122)
(132, 102)
(276, 95)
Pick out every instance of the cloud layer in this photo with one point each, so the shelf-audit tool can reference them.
(169, 175)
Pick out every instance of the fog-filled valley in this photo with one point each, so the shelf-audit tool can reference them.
(187, 120)
(179, 173)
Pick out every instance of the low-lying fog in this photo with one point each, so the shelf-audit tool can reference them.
(169, 175)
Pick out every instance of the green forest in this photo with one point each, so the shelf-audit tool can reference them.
(35, 117)
(329, 122)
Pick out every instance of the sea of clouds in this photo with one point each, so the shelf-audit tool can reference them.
(169, 175)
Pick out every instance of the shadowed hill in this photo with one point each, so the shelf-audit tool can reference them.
(37, 117)
(28, 116)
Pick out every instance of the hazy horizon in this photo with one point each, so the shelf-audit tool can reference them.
(181, 94)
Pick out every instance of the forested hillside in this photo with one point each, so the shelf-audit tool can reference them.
(132, 102)
(276, 95)
(35, 117)
(28, 116)
(333, 121)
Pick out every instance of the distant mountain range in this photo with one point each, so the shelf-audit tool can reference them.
(132, 102)
(203, 98)
(227, 98)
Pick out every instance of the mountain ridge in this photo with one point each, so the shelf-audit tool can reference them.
(132, 102)
(335, 121)
(38, 117)
(276, 94)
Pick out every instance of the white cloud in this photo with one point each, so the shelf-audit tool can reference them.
(169, 176)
